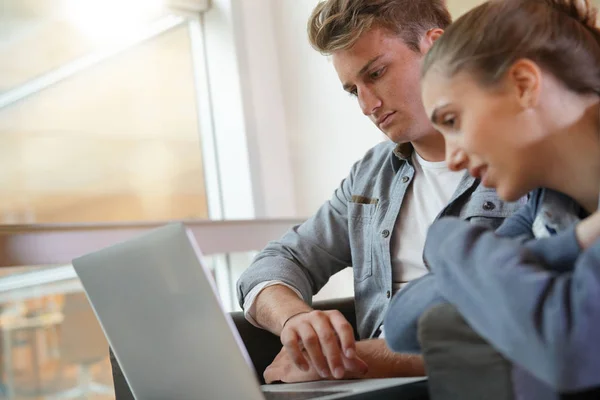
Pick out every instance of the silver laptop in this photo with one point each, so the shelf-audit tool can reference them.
(157, 304)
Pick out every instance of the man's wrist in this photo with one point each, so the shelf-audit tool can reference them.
(274, 304)
(292, 316)
(289, 314)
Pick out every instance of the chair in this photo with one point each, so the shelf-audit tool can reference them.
(82, 342)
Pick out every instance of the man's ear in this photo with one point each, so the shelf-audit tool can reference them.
(429, 38)
(525, 78)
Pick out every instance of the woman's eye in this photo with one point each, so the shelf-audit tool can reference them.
(449, 121)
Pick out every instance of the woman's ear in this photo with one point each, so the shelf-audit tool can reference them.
(525, 77)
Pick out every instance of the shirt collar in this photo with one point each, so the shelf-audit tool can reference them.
(403, 151)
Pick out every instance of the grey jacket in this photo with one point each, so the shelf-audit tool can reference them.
(536, 301)
(355, 227)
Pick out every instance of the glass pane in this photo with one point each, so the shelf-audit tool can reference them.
(52, 344)
(118, 141)
(39, 36)
(50, 339)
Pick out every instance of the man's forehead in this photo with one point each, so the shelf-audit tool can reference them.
(370, 44)
(367, 49)
(351, 64)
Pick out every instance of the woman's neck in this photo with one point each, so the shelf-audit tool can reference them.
(575, 170)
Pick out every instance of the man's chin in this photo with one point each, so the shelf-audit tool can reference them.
(409, 135)
(398, 137)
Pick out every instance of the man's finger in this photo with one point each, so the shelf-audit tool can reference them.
(344, 332)
(330, 345)
(291, 341)
(271, 374)
(310, 341)
(355, 365)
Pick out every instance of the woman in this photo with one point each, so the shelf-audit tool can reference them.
(514, 87)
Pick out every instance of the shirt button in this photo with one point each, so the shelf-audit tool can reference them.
(488, 206)
(388, 294)
(385, 233)
(405, 179)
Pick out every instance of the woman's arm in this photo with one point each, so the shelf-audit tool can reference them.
(548, 322)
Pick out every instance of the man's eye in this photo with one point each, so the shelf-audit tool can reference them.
(376, 74)
(353, 92)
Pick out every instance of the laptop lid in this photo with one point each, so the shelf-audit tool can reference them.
(157, 304)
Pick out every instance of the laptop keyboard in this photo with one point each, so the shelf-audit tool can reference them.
(300, 395)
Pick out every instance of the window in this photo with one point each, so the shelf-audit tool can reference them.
(50, 340)
(95, 132)
(102, 120)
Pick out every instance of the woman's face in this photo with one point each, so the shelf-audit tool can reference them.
(487, 130)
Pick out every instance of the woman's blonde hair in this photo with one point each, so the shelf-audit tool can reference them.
(337, 24)
(561, 36)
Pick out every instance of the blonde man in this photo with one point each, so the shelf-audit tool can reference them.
(377, 219)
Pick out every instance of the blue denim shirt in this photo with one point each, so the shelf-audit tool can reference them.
(355, 229)
(536, 299)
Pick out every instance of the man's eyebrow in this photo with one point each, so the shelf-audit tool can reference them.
(364, 69)
(368, 65)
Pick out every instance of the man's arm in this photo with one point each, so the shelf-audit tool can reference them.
(305, 258)
(275, 304)
(309, 254)
(384, 363)
(381, 362)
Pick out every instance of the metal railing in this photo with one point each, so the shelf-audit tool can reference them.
(58, 245)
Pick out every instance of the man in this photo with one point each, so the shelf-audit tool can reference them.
(377, 219)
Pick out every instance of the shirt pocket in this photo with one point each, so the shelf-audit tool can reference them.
(486, 209)
(360, 228)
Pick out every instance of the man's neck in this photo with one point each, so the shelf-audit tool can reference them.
(431, 147)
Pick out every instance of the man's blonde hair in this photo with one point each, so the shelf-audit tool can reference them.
(337, 24)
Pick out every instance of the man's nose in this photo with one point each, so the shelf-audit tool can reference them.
(369, 101)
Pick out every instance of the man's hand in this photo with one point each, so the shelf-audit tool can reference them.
(588, 230)
(321, 340)
(283, 369)
(324, 336)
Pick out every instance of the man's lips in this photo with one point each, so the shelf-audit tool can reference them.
(384, 119)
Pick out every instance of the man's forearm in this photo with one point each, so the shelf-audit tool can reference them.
(275, 304)
(384, 363)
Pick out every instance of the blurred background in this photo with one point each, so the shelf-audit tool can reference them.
(124, 114)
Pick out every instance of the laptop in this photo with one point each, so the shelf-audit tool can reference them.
(158, 306)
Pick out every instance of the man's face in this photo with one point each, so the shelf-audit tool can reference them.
(383, 73)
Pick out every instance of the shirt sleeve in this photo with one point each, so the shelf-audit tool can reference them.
(547, 321)
(249, 301)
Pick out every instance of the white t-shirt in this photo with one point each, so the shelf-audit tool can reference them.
(431, 190)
